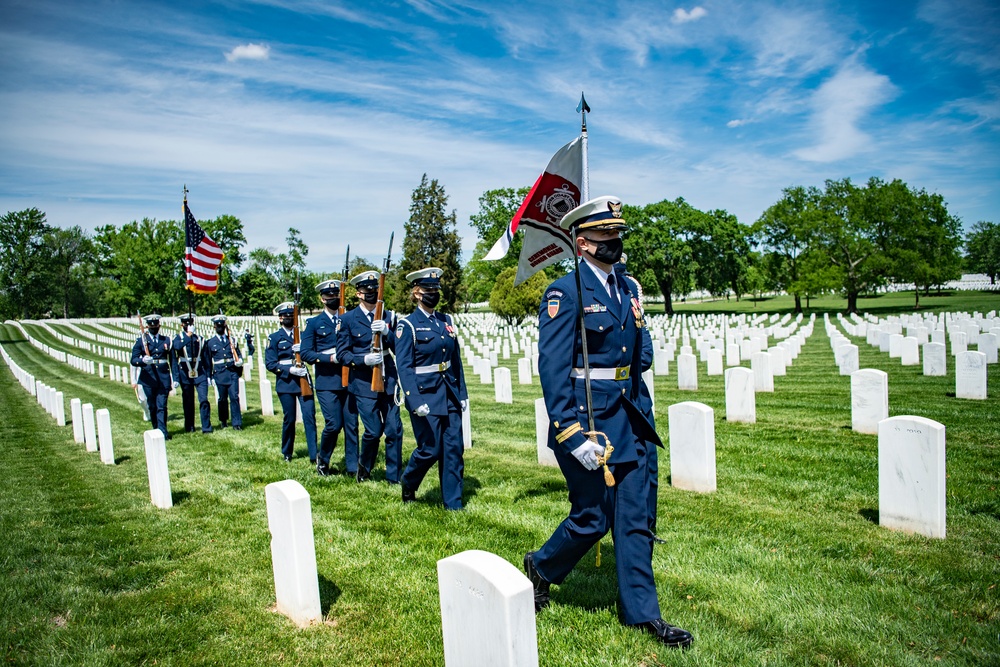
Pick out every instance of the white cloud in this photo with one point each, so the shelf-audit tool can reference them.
(737, 122)
(682, 16)
(249, 52)
(839, 107)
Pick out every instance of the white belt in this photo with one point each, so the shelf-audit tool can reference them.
(603, 373)
(286, 362)
(332, 350)
(221, 361)
(436, 368)
(157, 362)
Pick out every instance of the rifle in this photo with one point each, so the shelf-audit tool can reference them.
(232, 345)
(345, 371)
(378, 372)
(140, 393)
(305, 383)
(142, 333)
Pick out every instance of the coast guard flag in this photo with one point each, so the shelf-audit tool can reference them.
(202, 257)
(554, 194)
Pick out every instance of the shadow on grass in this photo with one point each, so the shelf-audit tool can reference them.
(329, 593)
(122, 459)
(545, 489)
(588, 586)
(869, 514)
(179, 497)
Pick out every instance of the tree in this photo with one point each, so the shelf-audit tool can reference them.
(431, 239)
(141, 267)
(721, 248)
(982, 247)
(496, 209)
(227, 232)
(23, 257)
(70, 269)
(786, 228)
(659, 249)
(513, 304)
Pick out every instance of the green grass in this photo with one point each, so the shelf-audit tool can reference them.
(784, 565)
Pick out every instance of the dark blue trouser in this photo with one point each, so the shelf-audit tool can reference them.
(594, 510)
(229, 399)
(653, 470)
(439, 440)
(156, 398)
(187, 400)
(380, 416)
(340, 412)
(288, 424)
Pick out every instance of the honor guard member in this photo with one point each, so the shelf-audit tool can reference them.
(190, 374)
(225, 362)
(279, 358)
(319, 348)
(611, 321)
(378, 410)
(151, 354)
(429, 364)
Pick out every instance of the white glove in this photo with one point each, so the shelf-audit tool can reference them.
(379, 326)
(298, 370)
(465, 405)
(176, 384)
(373, 358)
(423, 410)
(296, 347)
(587, 454)
(147, 359)
(333, 357)
(239, 364)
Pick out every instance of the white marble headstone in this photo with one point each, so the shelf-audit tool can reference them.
(502, 388)
(988, 346)
(714, 360)
(293, 551)
(692, 446)
(847, 358)
(89, 427)
(911, 475)
(869, 399)
(156, 468)
(935, 359)
(687, 372)
(487, 612)
(467, 427)
(76, 413)
(909, 353)
(266, 398)
(524, 370)
(741, 401)
(242, 392)
(760, 363)
(105, 442)
(661, 362)
(970, 375)
(546, 456)
(60, 409)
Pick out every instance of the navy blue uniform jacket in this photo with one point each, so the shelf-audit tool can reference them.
(429, 341)
(612, 341)
(157, 372)
(354, 341)
(319, 342)
(220, 360)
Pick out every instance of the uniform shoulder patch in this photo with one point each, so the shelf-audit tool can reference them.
(554, 294)
(399, 330)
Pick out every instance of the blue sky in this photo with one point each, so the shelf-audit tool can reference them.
(323, 115)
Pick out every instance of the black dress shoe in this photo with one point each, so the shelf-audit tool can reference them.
(237, 427)
(325, 470)
(538, 583)
(208, 430)
(671, 636)
(363, 475)
(409, 495)
(288, 459)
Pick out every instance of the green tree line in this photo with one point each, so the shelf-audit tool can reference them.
(842, 238)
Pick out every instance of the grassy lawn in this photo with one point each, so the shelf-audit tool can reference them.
(784, 565)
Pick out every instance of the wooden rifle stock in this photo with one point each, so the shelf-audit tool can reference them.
(345, 370)
(304, 385)
(142, 334)
(378, 379)
(232, 346)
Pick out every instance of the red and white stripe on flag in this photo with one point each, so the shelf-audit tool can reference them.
(202, 257)
(554, 194)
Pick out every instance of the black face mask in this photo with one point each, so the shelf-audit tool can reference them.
(154, 329)
(331, 302)
(286, 321)
(430, 299)
(220, 329)
(369, 297)
(609, 251)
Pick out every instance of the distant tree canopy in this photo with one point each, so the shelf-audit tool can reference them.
(843, 237)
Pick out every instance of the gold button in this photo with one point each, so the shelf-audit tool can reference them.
(600, 328)
(624, 349)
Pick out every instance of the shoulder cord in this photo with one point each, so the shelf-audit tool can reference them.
(398, 397)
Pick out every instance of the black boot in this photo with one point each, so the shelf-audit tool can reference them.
(538, 583)
(671, 636)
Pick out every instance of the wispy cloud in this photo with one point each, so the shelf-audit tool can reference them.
(683, 16)
(840, 105)
(249, 52)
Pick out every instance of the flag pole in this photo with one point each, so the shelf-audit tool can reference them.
(186, 286)
(582, 108)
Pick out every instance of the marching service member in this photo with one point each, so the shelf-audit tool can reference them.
(319, 348)
(151, 354)
(429, 364)
(279, 358)
(222, 355)
(583, 422)
(190, 372)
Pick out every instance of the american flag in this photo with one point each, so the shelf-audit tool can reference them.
(202, 257)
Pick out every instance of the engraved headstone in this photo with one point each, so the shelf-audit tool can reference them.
(732, 354)
(958, 343)
(988, 346)
(970, 375)
(741, 400)
(909, 353)
(714, 360)
(524, 371)
(911, 475)
(661, 362)
(293, 551)
(763, 380)
(546, 456)
(487, 612)
(847, 358)
(156, 468)
(869, 399)
(89, 427)
(105, 442)
(692, 446)
(935, 359)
